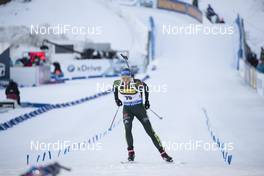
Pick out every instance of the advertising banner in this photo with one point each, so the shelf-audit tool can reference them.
(80, 68)
(181, 7)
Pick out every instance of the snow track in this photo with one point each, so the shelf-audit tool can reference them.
(197, 72)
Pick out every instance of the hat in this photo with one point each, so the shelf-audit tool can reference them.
(126, 72)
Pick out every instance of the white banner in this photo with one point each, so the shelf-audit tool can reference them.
(30, 76)
(80, 68)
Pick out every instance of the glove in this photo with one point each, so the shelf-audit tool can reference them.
(118, 102)
(147, 105)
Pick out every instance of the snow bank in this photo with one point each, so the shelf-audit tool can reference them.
(138, 30)
(87, 13)
(127, 2)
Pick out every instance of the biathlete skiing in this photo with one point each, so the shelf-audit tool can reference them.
(131, 90)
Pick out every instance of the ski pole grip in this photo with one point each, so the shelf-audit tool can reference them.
(125, 57)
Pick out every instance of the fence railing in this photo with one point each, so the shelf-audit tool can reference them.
(249, 73)
(181, 7)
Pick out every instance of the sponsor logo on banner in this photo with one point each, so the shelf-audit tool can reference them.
(71, 68)
(85, 68)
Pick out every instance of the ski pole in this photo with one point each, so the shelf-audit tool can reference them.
(114, 118)
(156, 114)
(126, 59)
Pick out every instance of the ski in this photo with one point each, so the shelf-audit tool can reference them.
(128, 162)
(178, 163)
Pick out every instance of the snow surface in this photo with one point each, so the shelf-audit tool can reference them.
(251, 11)
(84, 13)
(198, 73)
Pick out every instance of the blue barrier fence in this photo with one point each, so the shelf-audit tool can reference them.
(221, 145)
(17, 120)
(90, 77)
(62, 80)
(33, 105)
(152, 39)
(47, 107)
(49, 155)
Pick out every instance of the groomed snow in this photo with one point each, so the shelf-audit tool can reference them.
(198, 73)
(86, 13)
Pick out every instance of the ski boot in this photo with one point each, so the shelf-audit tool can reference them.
(131, 155)
(165, 156)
